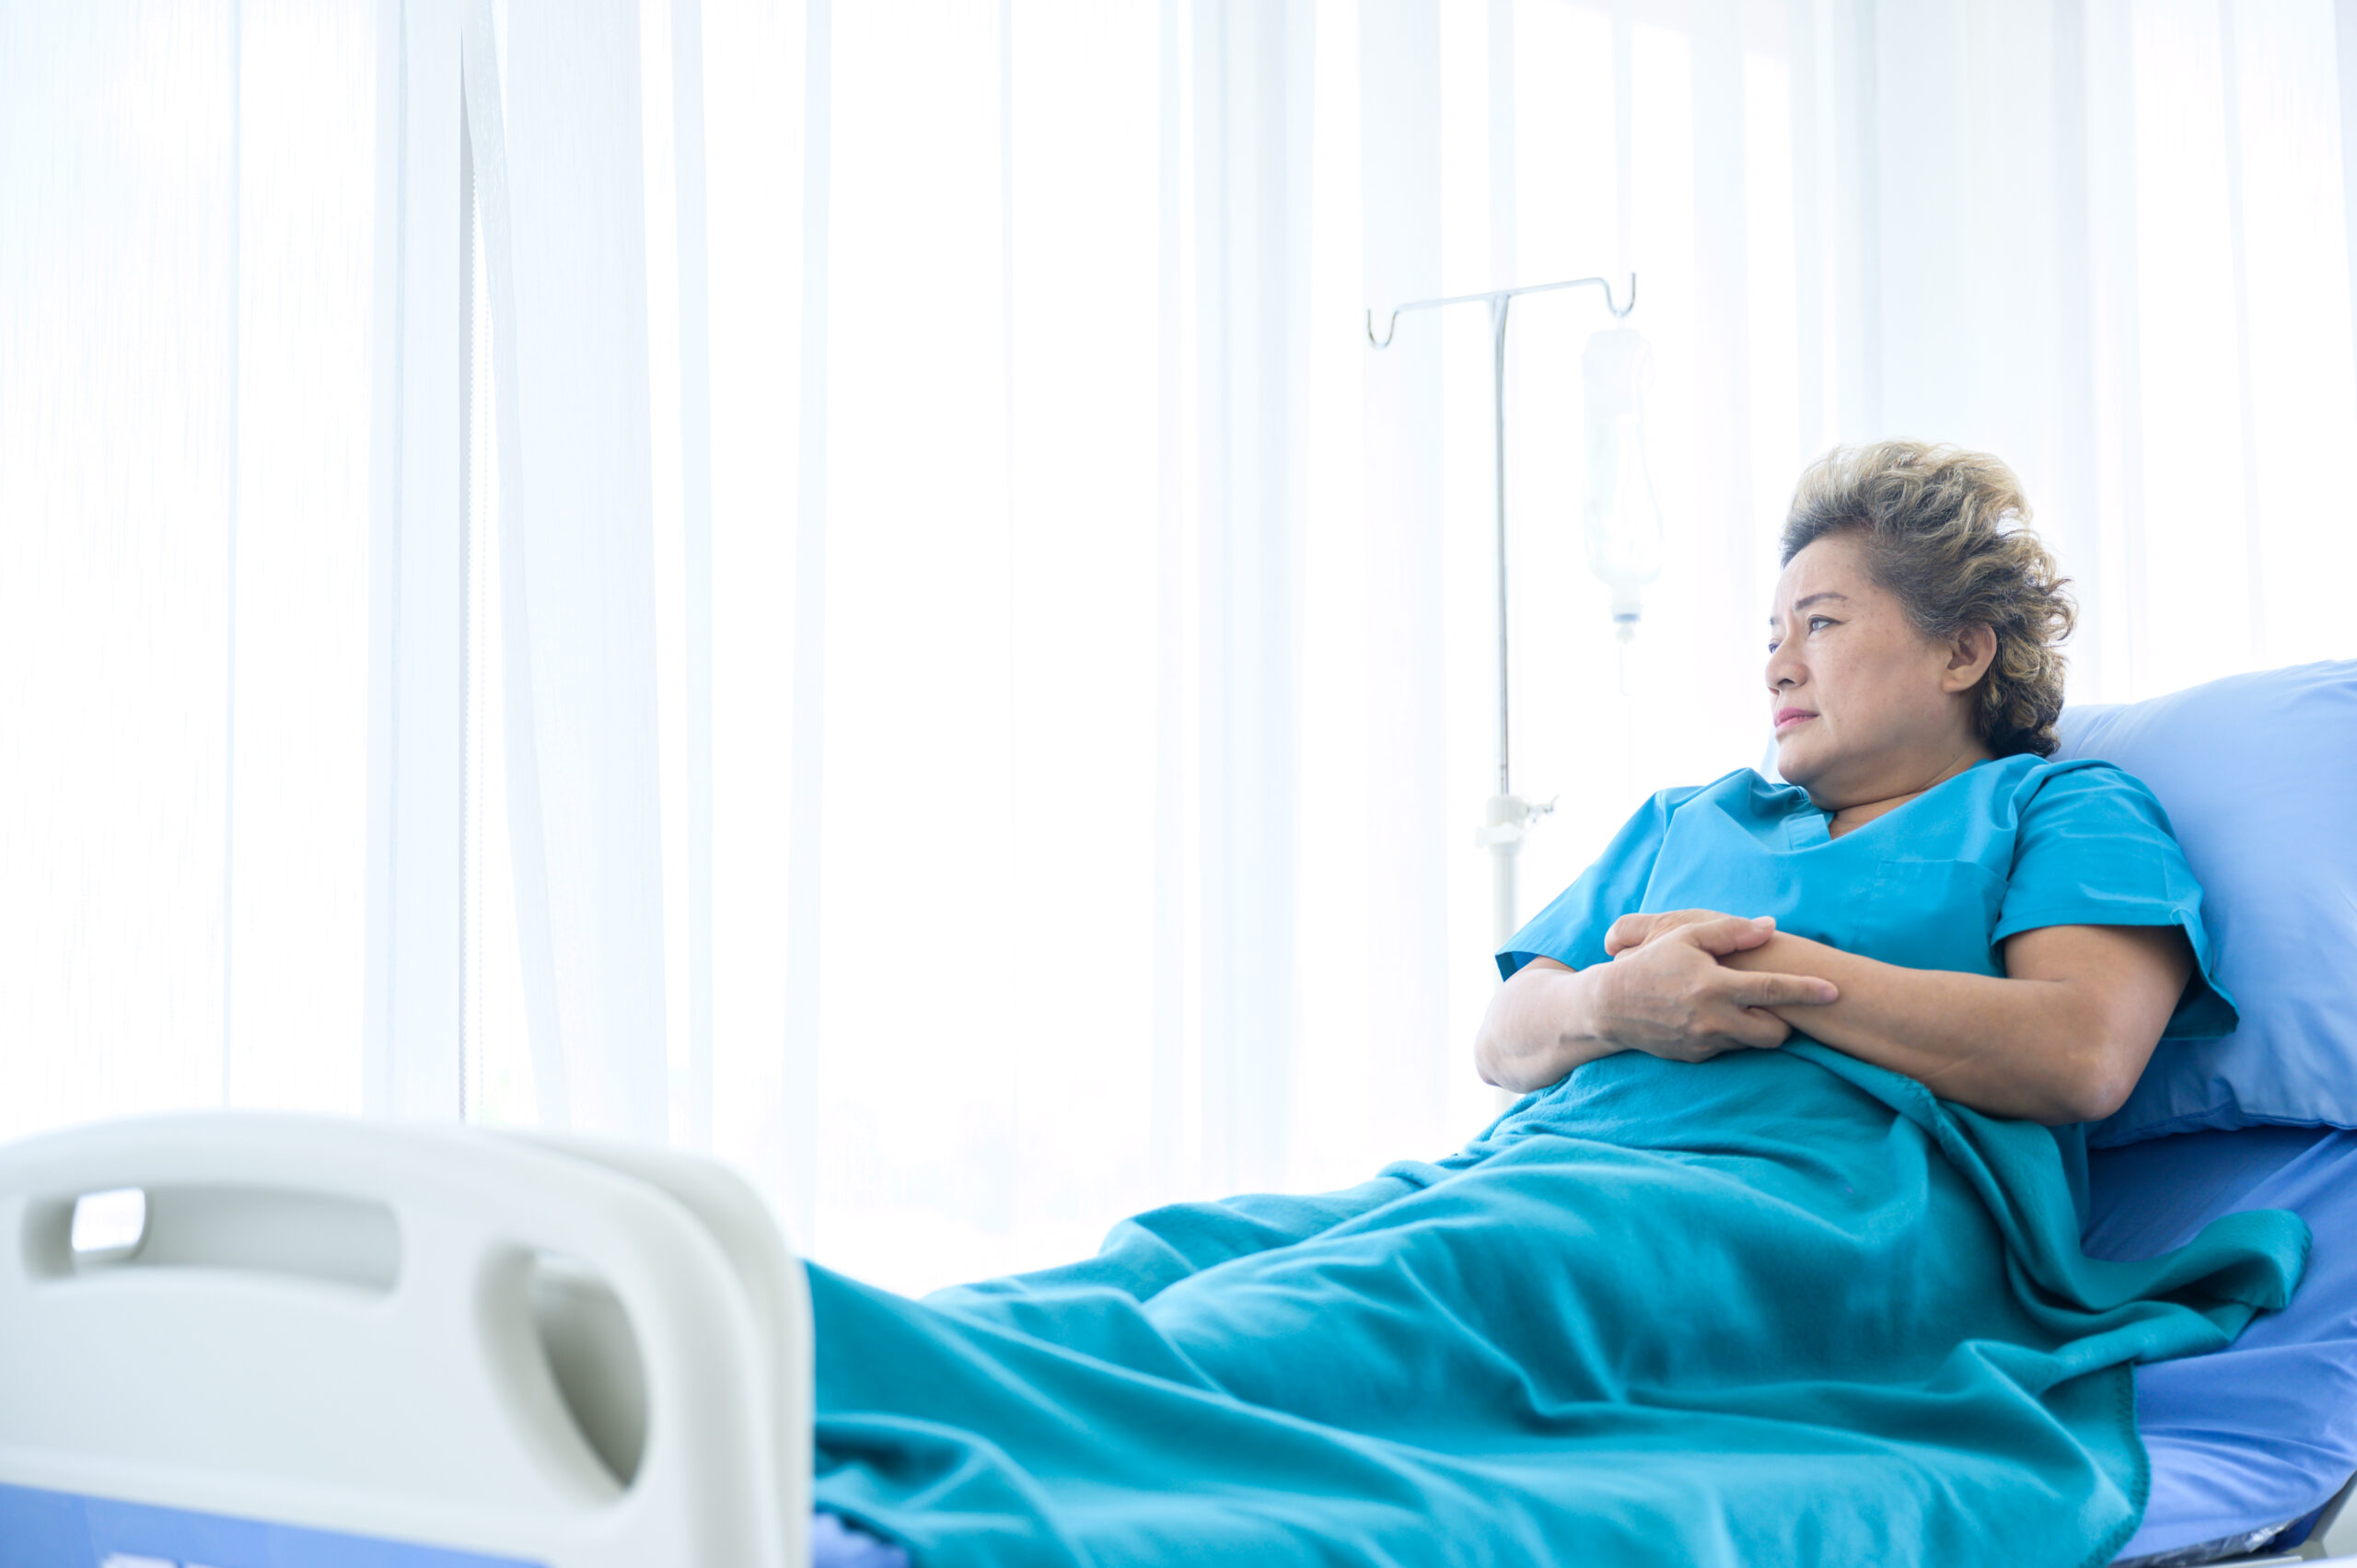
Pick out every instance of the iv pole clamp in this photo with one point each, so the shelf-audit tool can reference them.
(1507, 818)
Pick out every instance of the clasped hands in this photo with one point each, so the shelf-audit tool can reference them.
(1667, 993)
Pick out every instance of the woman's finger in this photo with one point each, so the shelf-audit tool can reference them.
(1724, 933)
(1758, 1031)
(1625, 933)
(1778, 990)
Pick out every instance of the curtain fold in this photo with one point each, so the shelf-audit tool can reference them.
(909, 641)
(579, 508)
(1254, 94)
(1381, 577)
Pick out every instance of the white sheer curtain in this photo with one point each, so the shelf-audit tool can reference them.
(839, 584)
(185, 310)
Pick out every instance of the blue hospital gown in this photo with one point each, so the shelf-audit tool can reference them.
(2003, 847)
(1780, 1307)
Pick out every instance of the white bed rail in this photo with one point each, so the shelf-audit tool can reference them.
(482, 1347)
(2335, 1535)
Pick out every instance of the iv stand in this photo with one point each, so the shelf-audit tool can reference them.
(1508, 817)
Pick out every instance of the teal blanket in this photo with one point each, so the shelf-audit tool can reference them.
(1778, 1308)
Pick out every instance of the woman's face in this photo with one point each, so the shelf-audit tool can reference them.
(1865, 707)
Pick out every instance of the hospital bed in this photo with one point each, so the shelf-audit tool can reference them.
(276, 1342)
(279, 1341)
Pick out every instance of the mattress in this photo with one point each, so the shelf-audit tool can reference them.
(2265, 1431)
(837, 1544)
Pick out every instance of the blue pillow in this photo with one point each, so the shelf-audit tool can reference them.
(2258, 775)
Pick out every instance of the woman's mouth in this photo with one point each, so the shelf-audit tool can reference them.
(1787, 717)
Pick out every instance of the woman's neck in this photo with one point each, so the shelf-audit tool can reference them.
(1857, 814)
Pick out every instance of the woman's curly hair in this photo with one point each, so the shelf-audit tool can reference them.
(1947, 531)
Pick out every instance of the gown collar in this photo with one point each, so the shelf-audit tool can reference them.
(1807, 826)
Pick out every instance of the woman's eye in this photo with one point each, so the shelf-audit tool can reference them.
(1815, 622)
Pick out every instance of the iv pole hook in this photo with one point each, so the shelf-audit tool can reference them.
(1618, 311)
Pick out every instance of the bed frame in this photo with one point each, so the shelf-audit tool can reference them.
(254, 1341)
(282, 1342)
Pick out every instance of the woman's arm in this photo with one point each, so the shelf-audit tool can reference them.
(2061, 1037)
(1669, 997)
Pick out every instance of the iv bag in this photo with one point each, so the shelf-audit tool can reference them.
(1623, 521)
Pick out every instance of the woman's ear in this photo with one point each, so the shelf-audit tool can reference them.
(1970, 653)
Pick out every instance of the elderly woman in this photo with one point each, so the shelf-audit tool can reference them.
(1778, 1261)
(2016, 934)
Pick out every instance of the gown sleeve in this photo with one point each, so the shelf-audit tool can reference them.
(2094, 848)
(1571, 930)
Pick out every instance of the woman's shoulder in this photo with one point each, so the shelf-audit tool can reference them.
(2028, 788)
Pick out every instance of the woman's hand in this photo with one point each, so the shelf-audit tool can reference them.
(1636, 930)
(1665, 993)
